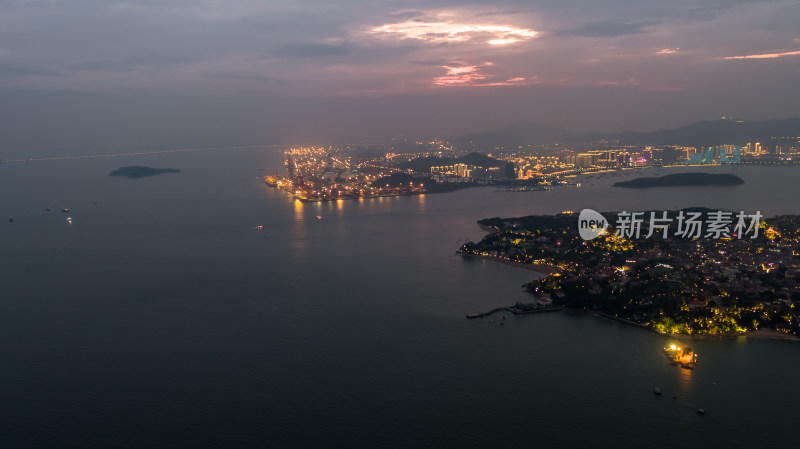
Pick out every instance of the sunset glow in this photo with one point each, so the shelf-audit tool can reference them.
(765, 55)
(461, 75)
(574, 57)
(472, 75)
(444, 28)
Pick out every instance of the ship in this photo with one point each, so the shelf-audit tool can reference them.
(685, 357)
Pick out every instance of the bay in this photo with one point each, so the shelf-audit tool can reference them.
(163, 317)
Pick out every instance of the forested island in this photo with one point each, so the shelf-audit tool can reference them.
(683, 180)
(699, 286)
(139, 171)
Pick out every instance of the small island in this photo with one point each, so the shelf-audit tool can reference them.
(139, 171)
(683, 180)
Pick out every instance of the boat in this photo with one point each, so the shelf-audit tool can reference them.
(65, 210)
(69, 219)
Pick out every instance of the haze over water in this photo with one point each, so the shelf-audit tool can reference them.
(162, 317)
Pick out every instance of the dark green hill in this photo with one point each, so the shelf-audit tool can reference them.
(683, 179)
(477, 159)
(139, 171)
(395, 180)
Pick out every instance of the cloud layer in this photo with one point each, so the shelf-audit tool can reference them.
(314, 50)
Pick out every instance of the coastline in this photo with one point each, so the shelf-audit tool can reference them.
(540, 268)
(771, 334)
(547, 270)
(433, 189)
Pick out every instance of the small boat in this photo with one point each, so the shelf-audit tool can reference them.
(69, 219)
(47, 209)
(319, 217)
(701, 411)
(657, 391)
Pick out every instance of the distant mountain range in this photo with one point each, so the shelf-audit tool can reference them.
(523, 134)
(723, 131)
(702, 133)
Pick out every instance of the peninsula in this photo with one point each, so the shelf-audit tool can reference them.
(331, 174)
(683, 180)
(730, 285)
(138, 171)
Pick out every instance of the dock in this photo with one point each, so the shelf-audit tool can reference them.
(516, 311)
(481, 315)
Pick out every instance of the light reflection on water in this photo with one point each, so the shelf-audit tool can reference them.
(300, 232)
(685, 384)
(348, 326)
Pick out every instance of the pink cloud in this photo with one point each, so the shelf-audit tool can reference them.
(518, 81)
(472, 75)
(460, 75)
(439, 27)
(765, 55)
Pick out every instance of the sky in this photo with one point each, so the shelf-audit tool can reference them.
(83, 74)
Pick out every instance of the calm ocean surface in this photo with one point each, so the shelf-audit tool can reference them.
(162, 317)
